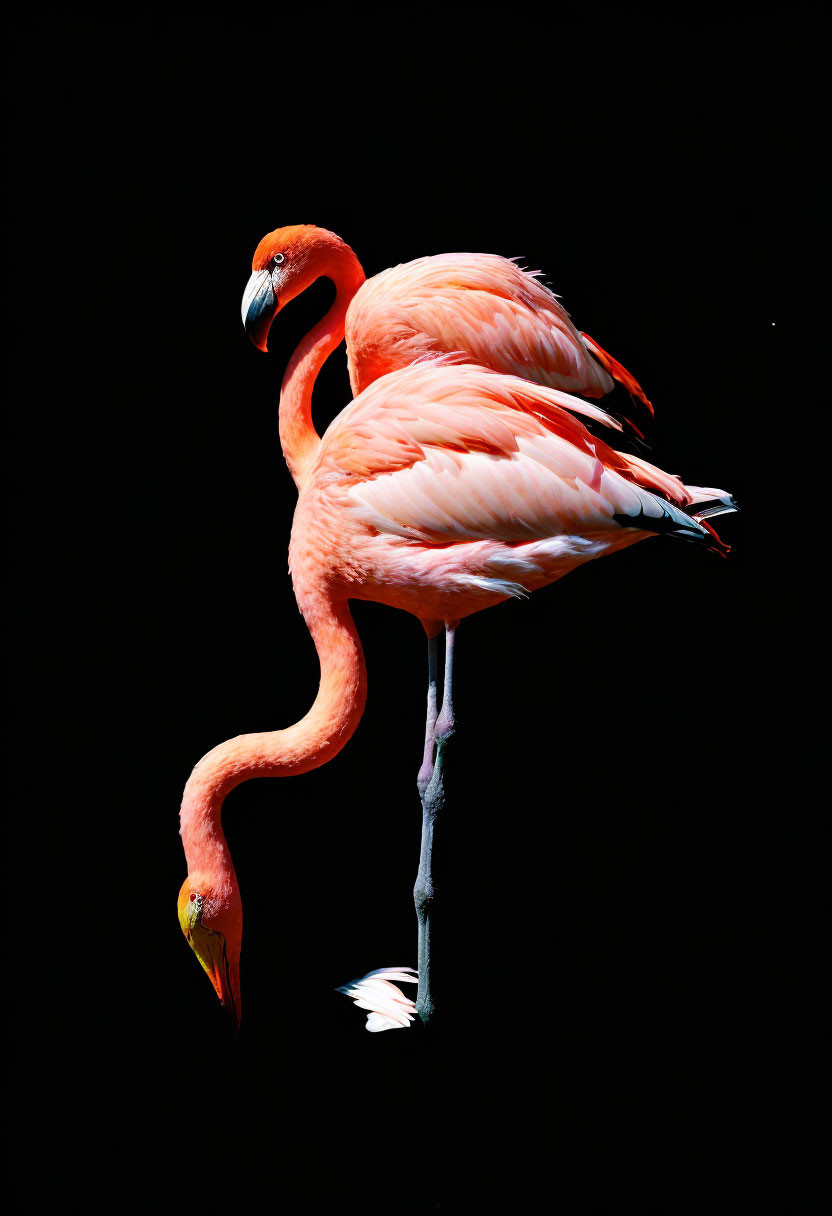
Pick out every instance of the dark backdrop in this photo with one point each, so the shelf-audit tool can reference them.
(616, 875)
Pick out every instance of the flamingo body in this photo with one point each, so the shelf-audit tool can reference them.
(478, 307)
(468, 307)
(445, 489)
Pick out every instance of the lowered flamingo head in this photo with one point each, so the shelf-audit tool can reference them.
(285, 263)
(213, 926)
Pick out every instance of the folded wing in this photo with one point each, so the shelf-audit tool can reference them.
(446, 455)
(483, 309)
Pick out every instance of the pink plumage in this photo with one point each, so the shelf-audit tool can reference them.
(475, 308)
(483, 308)
(444, 489)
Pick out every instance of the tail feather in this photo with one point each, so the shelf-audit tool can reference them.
(709, 510)
(618, 372)
(660, 516)
(706, 502)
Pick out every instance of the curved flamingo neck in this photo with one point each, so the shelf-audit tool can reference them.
(312, 741)
(298, 437)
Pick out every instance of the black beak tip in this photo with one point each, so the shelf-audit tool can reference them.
(257, 328)
(259, 308)
(233, 1020)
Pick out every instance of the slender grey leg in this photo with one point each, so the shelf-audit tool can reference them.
(433, 800)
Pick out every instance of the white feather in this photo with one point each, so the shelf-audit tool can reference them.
(389, 1008)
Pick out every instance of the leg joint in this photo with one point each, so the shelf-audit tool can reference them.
(423, 895)
(423, 779)
(445, 726)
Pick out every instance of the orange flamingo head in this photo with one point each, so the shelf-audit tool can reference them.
(285, 263)
(213, 926)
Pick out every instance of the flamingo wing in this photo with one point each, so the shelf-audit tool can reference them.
(449, 454)
(482, 308)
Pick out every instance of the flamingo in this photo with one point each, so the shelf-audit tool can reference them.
(476, 307)
(441, 490)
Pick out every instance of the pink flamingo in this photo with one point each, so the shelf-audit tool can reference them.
(476, 307)
(440, 490)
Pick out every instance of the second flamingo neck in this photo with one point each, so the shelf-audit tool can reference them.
(298, 437)
(316, 738)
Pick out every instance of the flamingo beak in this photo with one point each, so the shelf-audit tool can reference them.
(210, 948)
(259, 307)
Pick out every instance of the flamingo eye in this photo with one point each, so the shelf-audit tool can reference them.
(278, 259)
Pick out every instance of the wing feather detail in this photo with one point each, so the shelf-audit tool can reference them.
(451, 454)
(480, 308)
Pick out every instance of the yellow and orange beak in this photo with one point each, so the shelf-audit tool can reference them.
(209, 945)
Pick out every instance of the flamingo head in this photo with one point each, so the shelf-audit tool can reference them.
(213, 926)
(285, 263)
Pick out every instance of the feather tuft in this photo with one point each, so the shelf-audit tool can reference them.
(389, 1008)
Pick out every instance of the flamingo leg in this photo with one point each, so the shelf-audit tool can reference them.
(426, 771)
(433, 801)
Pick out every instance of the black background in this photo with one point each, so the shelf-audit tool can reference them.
(618, 878)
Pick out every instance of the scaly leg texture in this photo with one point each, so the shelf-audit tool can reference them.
(432, 792)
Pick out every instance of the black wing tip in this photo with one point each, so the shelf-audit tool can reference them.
(713, 507)
(677, 523)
